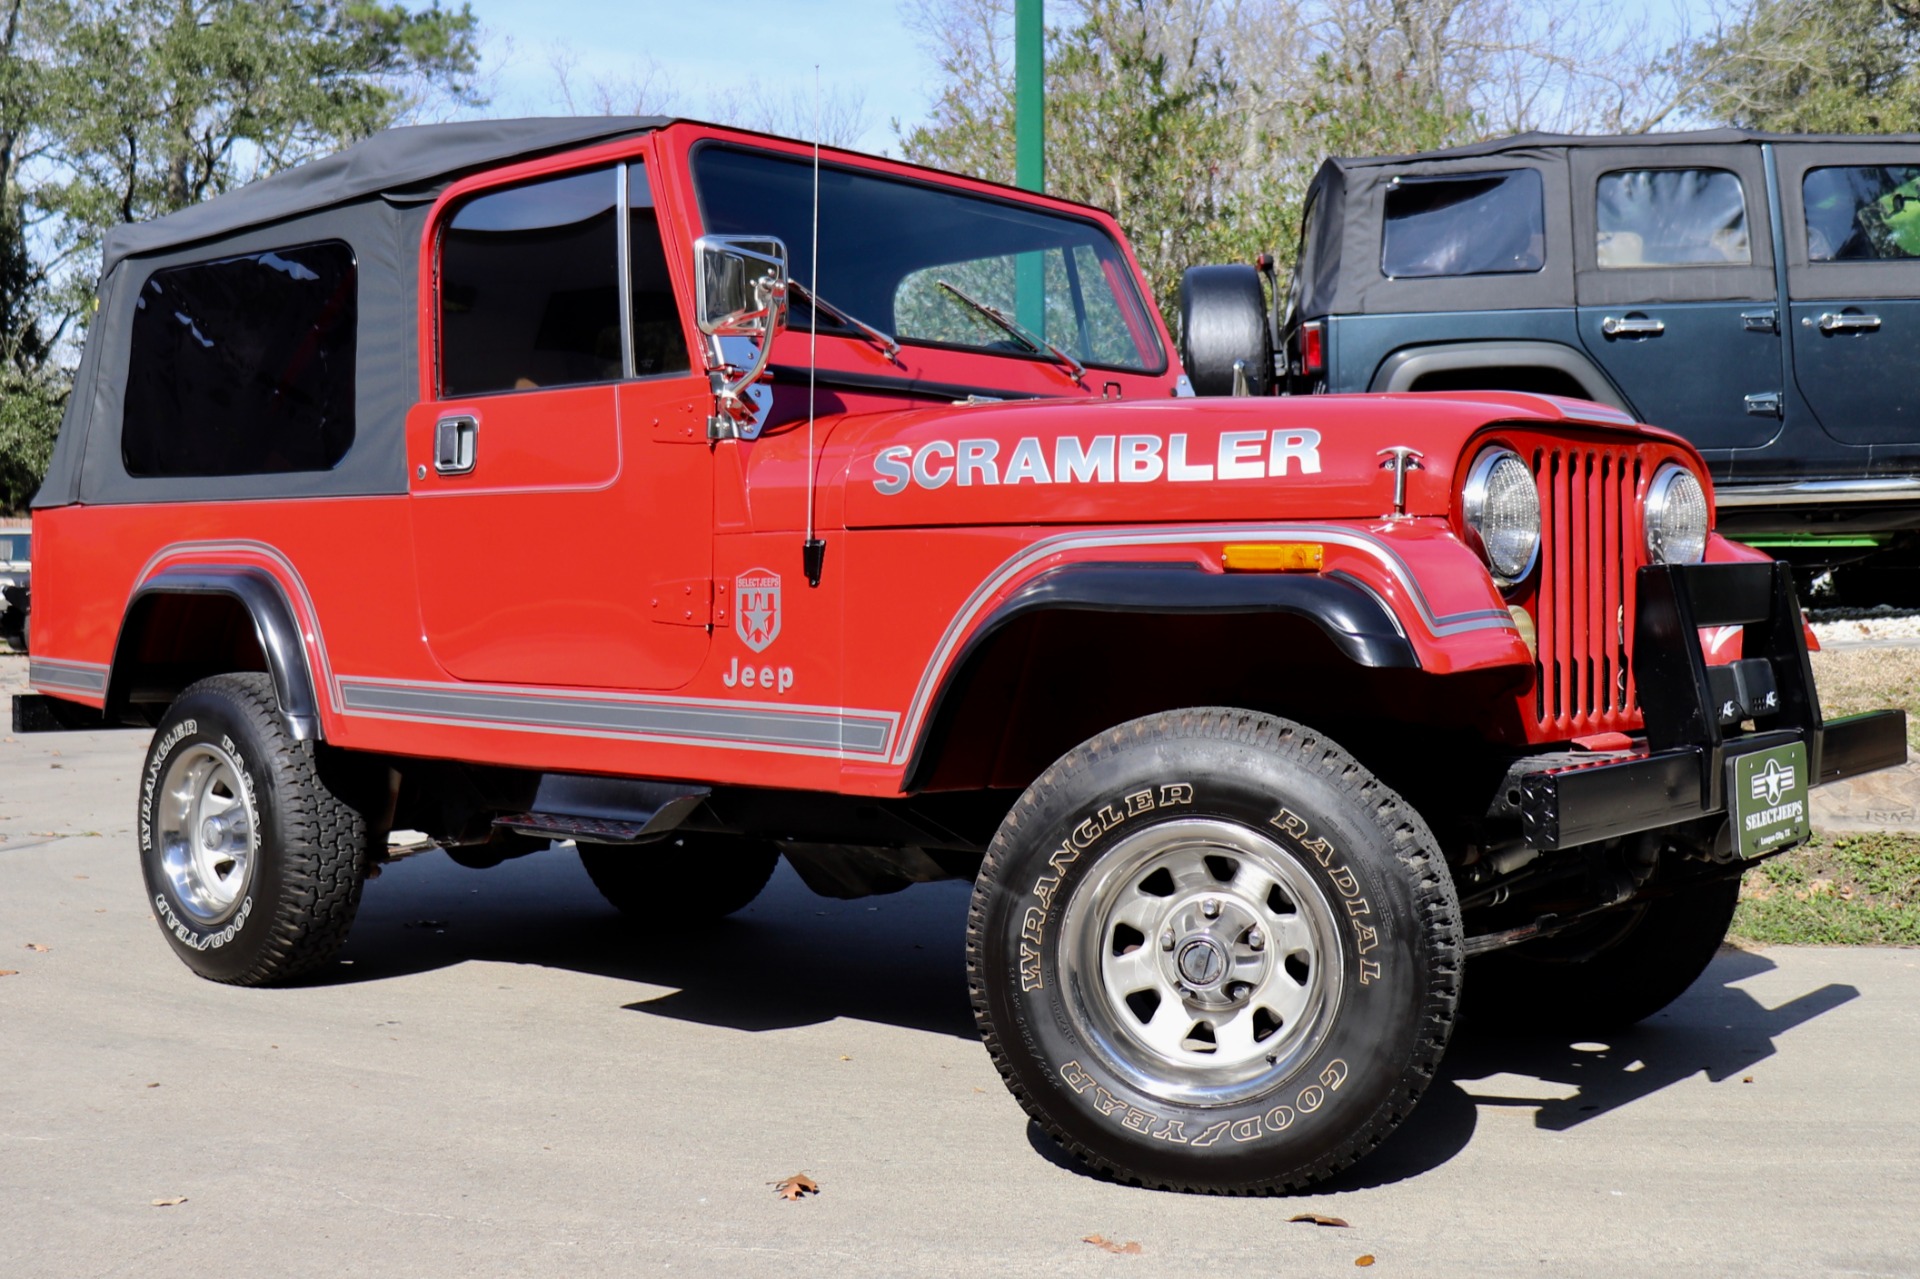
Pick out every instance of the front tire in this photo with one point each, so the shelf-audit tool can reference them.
(253, 864)
(1208, 951)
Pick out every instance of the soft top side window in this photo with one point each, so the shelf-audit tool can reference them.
(1670, 217)
(243, 365)
(1464, 224)
(1862, 213)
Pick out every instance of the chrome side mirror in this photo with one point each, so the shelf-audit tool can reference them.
(740, 287)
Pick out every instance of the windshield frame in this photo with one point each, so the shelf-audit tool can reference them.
(1155, 360)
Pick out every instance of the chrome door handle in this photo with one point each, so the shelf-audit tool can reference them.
(455, 440)
(1836, 323)
(1615, 327)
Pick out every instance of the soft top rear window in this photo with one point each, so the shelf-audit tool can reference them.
(1464, 224)
(243, 365)
(1862, 213)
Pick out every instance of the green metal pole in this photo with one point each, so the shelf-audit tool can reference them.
(1030, 149)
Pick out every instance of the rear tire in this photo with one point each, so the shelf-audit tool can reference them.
(1622, 968)
(689, 878)
(1209, 951)
(253, 863)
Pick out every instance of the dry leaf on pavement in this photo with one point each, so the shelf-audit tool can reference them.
(1364, 1259)
(9, 972)
(34, 945)
(798, 1186)
(1130, 1248)
(169, 1203)
(1319, 1220)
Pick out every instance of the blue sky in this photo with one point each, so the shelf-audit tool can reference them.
(863, 48)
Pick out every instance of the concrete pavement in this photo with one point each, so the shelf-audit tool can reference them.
(502, 1076)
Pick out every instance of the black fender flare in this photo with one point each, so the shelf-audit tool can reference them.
(1401, 370)
(1356, 621)
(274, 625)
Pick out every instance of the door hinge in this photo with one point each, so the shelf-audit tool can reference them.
(1765, 404)
(1760, 321)
(684, 601)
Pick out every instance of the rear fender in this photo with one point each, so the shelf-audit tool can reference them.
(275, 630)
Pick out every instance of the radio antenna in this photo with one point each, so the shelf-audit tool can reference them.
(813, 551)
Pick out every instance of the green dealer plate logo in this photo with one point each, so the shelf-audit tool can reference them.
(1767, 792)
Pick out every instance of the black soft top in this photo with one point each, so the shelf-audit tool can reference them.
(373, 195)
(1340, 271)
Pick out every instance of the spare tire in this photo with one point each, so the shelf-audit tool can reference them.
(1223, 319)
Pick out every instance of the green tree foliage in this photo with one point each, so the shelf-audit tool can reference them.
(115, 111)
(1815, 66)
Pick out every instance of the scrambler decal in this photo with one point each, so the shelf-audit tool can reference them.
(163, 909)
(1277, 1119)
(1101, 459)
(1359, 914)
(1033, 926)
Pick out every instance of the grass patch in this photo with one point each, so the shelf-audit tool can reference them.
(1851, 680)
(1848, 890)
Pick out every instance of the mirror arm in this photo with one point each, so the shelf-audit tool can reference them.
(734, 409)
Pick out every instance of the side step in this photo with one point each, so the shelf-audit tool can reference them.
(604, 810)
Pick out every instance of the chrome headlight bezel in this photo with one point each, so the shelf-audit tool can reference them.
(1661, 539)
(1474, 496)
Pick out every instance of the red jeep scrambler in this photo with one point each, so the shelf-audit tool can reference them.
(480, 481)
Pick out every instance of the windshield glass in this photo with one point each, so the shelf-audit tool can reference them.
(887, 243)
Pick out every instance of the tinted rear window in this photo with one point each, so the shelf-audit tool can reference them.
(1472, 224)
(1671, 217)
(1863, 213)
(243, 365)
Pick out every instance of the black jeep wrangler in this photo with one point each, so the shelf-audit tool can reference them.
(1758, 293)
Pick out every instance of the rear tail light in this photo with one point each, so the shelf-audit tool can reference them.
(1313, 348)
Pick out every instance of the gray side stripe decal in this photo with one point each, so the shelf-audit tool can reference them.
(822, 731)
(81, 676)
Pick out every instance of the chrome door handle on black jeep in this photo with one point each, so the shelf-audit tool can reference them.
(1632, 326)
(454, 443)
(1855, 323)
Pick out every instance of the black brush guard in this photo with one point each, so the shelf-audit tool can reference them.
(1695, 713)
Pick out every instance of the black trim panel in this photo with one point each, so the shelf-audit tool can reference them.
(1353, 619)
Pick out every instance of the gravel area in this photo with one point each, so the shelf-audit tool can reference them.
(1884, 624)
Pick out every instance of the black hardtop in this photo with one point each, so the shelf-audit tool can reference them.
(1340, 267)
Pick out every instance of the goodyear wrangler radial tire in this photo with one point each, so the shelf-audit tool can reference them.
(1209, 951)
(253, 864)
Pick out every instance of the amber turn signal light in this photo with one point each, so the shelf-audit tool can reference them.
(1274, 557)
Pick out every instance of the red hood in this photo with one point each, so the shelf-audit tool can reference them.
(1140, 461)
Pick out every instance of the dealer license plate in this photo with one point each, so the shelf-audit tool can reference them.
(1767, 792)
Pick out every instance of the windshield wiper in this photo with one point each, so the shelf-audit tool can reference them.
(1033, 341)
(873, 335)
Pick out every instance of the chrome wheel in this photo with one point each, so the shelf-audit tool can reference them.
(1202, 961)
(205, 831)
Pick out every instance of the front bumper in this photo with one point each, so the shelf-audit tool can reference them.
(1696, 714)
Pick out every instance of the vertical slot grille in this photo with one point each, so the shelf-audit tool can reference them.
(1589, 518)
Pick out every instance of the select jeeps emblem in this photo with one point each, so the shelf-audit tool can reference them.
(756, 610)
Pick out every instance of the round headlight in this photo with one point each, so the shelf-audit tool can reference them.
(1676, 517)
(1502, 508)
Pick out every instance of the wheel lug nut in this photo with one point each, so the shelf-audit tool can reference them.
(1210, 908)
(1256, 939)
(1166, 939)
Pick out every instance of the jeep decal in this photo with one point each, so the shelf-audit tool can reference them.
(1102, 459)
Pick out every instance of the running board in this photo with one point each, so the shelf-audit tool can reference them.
(604, 810)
